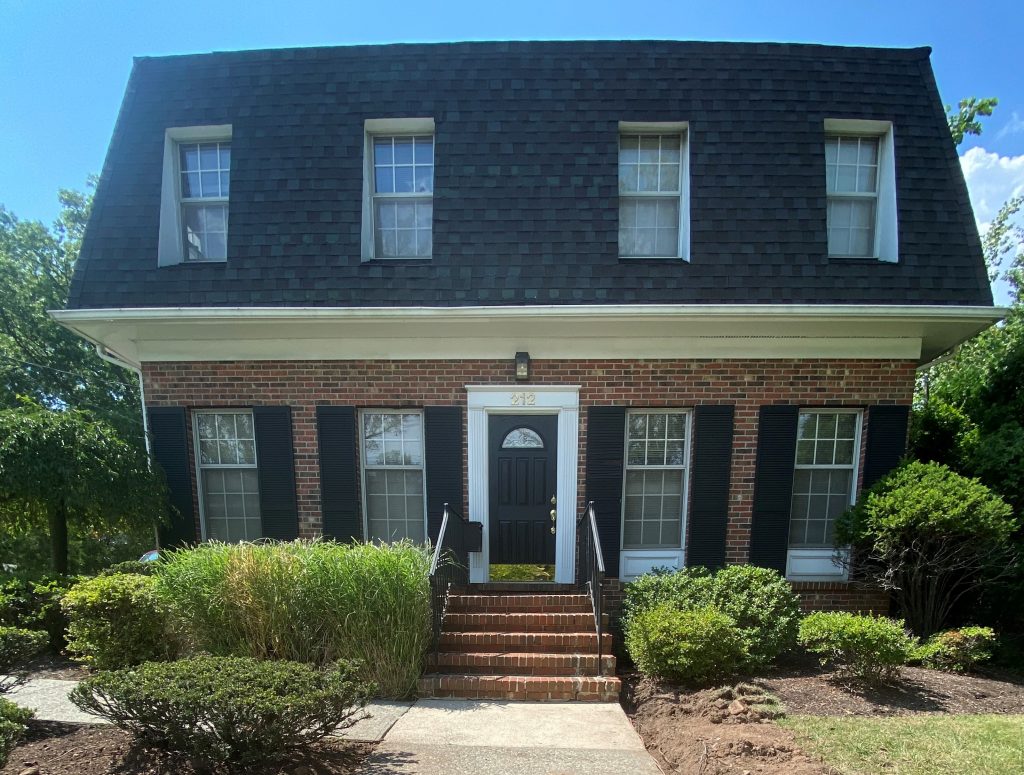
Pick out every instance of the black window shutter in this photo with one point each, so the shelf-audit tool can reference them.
(709, 508)
(339, 497)
(606, 440)
(169, 446)
(275, 457)
(773, 486)
(443, 450)
(887, 441)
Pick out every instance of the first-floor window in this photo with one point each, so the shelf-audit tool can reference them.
(229, 491)
(825, 480)
(654, 494)
(393, 494)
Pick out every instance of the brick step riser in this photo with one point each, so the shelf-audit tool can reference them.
(580, 623)
(503, 602)
(557, 643)
(521, 688)
(523, 664)
(517, 608)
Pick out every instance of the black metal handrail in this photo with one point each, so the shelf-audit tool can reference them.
(449, 567)
(591, 570)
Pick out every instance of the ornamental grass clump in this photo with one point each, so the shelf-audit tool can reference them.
(226, 710)
(306, 601)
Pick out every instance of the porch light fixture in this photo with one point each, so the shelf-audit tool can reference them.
(522, 365)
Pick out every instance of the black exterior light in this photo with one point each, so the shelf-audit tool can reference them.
(522, 365)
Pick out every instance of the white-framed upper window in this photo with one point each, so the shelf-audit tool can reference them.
(398, 208)
(825, 479)
(653, 191)
(394, 495)
(229, 493)
(860, 184)
(655, 478)
(194, 199)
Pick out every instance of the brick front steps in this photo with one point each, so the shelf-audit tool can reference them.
(516, 643)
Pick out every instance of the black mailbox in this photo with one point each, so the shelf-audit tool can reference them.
(474, 536)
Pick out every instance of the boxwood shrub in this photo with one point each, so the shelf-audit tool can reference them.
(13, 719)
(226, 710)
(695, 646)
(958, 651)
(18, 647)
(35, 604)
(759, 600)
(871, 648)
(118, 621)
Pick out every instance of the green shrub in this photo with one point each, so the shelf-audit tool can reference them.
(34, 604)
(13, 719)
(18, 647)
(313, 602)
(225, 710)
(133, 567)
(957, 650)
(698, 645)
(117, 621)
(866, 647)
(760, 600)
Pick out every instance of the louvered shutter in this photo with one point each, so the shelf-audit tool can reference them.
(339, 499)
(606, 433)
(442, 431)
(169, 446)
(709, 483)
(275, 458)
(773, 486)
(887, 441)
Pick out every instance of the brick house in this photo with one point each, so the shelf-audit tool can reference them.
(689, 282)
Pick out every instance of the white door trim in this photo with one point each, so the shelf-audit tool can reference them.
(563, 400)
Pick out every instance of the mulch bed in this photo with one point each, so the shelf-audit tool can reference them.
(700, 733)
(51, 748)
(58, 666)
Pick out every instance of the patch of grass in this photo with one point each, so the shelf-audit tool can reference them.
(522, 573)
(914, 745)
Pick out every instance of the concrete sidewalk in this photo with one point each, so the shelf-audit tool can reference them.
(454, 737)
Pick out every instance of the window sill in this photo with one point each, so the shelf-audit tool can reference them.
(866, 259)
(816, 564)
(653, 258)
(370, 259)
(636, 562)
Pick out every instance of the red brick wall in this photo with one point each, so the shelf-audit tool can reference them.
(652, 383)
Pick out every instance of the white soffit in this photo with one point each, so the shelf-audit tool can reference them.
(585, 331)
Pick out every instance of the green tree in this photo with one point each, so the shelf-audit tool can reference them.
(64, 466)
(38, 357)
(964, 119)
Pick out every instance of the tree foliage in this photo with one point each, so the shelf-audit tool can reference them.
(964, 119)
(66, 466)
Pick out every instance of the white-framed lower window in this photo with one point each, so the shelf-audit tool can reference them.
(394, 495)
(229, 494)
(655, 482)
(824, 486)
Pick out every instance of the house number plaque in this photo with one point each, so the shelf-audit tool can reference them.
(524, 399)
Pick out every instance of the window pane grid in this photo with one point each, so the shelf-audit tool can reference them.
(392, 444)
(226, 443)
(403, 187)
(650, 187)
(824, 479)
(205, 179)
(655, 478)
(851, 181)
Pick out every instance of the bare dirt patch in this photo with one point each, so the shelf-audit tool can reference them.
(712, 732)
(51, 748)
(57, 666)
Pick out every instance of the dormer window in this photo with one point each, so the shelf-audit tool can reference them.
(860, 183)
(194, 195)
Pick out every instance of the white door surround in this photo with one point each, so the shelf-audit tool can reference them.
(563, 400)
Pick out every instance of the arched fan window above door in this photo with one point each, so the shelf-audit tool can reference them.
(522, 438)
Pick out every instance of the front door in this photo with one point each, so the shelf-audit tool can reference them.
(523, 481)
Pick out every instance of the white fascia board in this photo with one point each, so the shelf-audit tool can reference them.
(919, 333)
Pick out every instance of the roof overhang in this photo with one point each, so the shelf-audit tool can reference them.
(919, 333)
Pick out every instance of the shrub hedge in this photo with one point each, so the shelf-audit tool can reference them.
(760, 601)
(17, 647)
(226, 710)
(958, 651)
(867, 647)
(34, 604)
(694, 646)
(306, 601)
(13, 719)
(118, 621)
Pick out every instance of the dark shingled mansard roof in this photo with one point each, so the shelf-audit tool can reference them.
(526, 196)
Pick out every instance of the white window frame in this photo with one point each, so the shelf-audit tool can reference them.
(200, 466)
(636, 562)
(171, 247)
(422, 467)
(390, 127)
(825, 563)
(681, 128)
(886, 245)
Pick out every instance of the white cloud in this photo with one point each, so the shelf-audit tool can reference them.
(991, 180)
(1012, 127)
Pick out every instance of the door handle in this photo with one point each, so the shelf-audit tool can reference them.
(554, 514)
(554, 501)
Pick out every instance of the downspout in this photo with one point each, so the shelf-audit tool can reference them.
(110, 357)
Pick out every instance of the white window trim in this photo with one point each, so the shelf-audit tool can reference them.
(636, 562)
(362, 463)
(200, 466)
(662, 128)
(826, 563)
(171, 245)
(886, 247)
(393, 127)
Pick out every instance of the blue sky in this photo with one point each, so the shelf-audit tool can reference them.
(63, 65)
